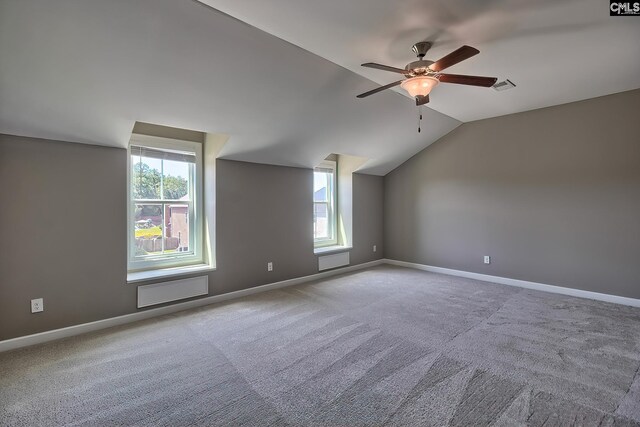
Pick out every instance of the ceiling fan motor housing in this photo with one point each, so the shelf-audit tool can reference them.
(419, 67)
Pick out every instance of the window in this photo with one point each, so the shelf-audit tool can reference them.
(165, 198)
(324, 204)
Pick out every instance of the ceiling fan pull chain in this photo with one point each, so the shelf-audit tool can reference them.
(419, 117)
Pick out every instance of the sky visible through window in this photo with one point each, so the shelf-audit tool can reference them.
(319, 180)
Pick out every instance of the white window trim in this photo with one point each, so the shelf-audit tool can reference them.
(133, 265)
(164, 273)
(332, 206)
(326, 250)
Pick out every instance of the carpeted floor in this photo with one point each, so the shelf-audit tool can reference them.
(384, 346)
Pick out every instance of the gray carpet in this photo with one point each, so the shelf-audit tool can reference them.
(385, 346)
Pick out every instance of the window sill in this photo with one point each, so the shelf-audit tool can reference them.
(163, 273)
(331, 249)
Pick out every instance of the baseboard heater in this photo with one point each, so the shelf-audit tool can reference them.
(175, 290)
(327, 262)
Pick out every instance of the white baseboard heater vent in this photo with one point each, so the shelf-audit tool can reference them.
(159, 293)
(327, 262)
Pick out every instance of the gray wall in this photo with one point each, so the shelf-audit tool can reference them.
(368, 207)
(552, 195)
(63, 230)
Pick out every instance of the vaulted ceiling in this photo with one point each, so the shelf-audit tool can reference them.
(86, 70)
(555, 51)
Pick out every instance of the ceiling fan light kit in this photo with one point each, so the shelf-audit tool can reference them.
(420, 85)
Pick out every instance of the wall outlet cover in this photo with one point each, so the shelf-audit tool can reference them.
(269, 266)
(487, 259)
(37, 305)
(375, 248)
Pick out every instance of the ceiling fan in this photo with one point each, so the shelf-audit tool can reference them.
(422, 76)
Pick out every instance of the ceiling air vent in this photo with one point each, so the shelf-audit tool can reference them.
(503, 85)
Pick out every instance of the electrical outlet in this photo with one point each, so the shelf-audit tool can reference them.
(269, 266)
(487, 259)
(37, 305)
(375, 248)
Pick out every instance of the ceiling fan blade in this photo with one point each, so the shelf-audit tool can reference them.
(467, 80)
(380, 89)
(421, 100)
(459, 55)
(385, 68)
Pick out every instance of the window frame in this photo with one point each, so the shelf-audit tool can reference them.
(196, 214)
(332, 205)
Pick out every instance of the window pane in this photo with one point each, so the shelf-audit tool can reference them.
(321, 221)
(164, 226)
(176, 179)
(323, 195)
(321, 186)
(148, 229)
(145, 177)
(176, 228)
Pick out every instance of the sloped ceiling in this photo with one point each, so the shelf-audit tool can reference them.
(86, 70)
(556, 51)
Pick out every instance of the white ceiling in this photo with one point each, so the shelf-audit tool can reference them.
(555, 51)
(86, 70)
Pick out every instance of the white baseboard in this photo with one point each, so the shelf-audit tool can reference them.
(520, 283)
(55, 334)
(69, 331)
